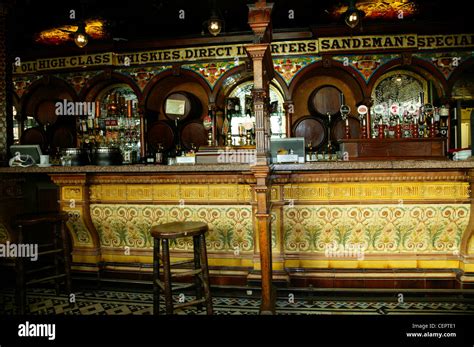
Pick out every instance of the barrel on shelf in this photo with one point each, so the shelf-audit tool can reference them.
(35, 136)
(46, 112)
(193, 132)
(338, 128)
(324, 100)
(62, 136)
(313, 129)
(182, 106)
(161, 132)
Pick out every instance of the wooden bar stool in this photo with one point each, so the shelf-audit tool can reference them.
(58, 247)
(174, 230)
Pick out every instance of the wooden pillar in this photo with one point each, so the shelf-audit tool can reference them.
(260, 55)
(289, 108)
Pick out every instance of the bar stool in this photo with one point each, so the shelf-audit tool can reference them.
(59, 249)
(175, 230)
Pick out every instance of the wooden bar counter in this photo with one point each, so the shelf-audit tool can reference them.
(390, 224)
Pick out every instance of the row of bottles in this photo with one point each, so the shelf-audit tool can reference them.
(115, 124)
(323, 154)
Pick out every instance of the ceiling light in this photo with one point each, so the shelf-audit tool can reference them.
(215, 24)
(353, 15)
(80, 37)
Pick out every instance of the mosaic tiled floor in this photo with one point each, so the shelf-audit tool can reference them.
(113, 302)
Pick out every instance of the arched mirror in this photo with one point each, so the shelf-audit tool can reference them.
(242, 114)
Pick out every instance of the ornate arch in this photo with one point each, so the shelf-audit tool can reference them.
(458, 74)
(92, 88)
(328, 66)
(46, 81)
(170, 73)
(419, 66)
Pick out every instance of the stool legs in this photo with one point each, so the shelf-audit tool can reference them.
(197, 265)
(167, 277)
(59, 240)
(20, 278)
(56, 259)
(200, 272)
(205, 274)
(156, 276)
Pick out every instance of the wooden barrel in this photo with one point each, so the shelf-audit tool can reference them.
(325, 99)
(182, 105)
(160, 132)
(46, 112)
(34, 136)
(312, 129)
(193, 132)
(338, 128)
(62, 136)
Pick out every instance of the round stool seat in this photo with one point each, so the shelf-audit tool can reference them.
(38, 218)
(176, 230)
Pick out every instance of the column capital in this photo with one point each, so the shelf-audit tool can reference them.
(259, 20)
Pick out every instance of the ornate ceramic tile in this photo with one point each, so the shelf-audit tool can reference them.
(78, 79)
(4, 236)
(288, 68)
(143, 75)
(365, 65)
(230, 227)
(445, 62)
(212, 72)
(376, 228)
(21, 83)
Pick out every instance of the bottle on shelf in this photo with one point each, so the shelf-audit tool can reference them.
(309, 150)
(159, 156)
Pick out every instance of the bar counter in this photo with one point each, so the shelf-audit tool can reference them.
(333, 224)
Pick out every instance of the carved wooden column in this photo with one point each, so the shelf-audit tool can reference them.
(260, 55)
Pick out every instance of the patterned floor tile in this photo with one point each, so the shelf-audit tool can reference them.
(114, 302)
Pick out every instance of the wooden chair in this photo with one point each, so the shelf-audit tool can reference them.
(58, 249)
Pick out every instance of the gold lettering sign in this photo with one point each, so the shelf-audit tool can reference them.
(357, 43)
(64, 63)
(445, 41)
(226, 52)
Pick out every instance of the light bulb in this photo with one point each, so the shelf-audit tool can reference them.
(81, 40)
(214, 26)
(352, 18)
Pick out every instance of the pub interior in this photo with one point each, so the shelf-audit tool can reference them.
(308, 157)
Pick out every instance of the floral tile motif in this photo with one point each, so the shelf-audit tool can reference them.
(4, 236)
(288, 68)
(212, 72)
(446, 63)
(230, 227)
(365, 65)
(377, 228)
(144, 74)
(78, 79)
(21, 83)
(79, 230)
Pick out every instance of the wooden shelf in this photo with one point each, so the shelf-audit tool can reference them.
(394, 149)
